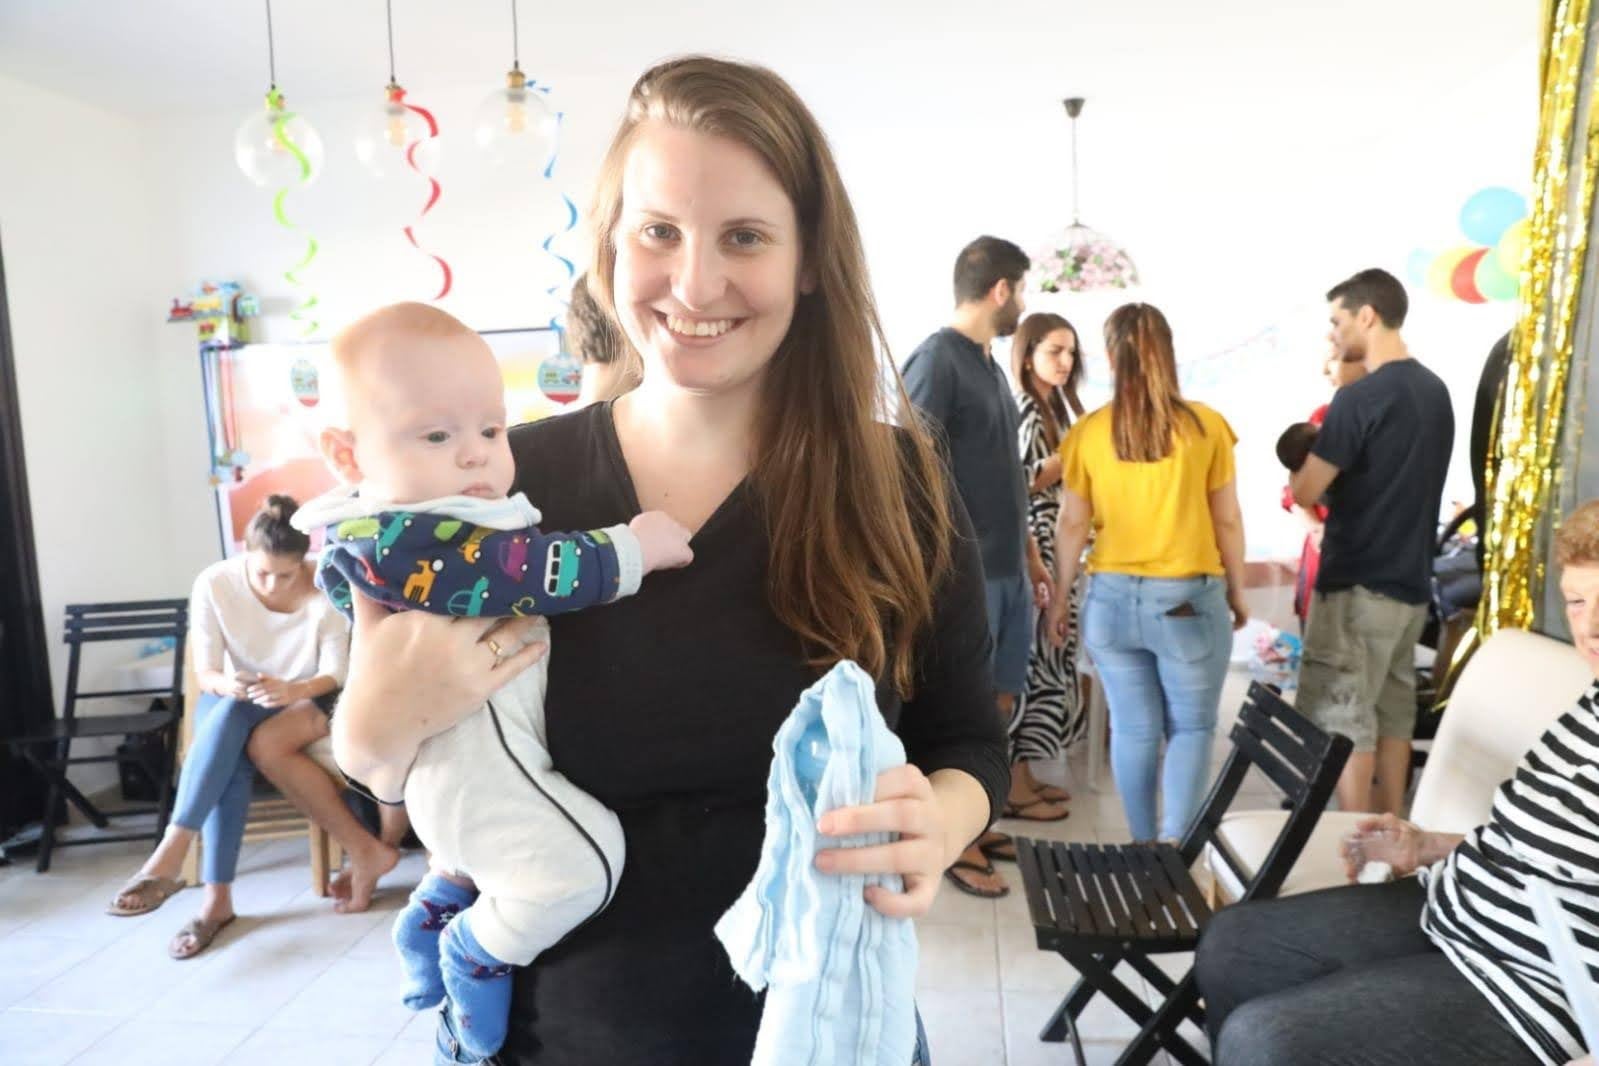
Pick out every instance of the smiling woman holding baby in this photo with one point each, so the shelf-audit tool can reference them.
(728, 251)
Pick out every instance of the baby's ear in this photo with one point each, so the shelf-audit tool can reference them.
(338, 451)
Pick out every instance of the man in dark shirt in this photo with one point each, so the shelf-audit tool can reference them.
(1380, 460)
(955, 382)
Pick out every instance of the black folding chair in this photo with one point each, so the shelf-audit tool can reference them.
(50, 751)
(1101, 906)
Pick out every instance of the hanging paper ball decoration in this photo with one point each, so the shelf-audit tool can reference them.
(1489, 212)
(387, 133)
(516, 125)
(276, 147)
(1082, 260)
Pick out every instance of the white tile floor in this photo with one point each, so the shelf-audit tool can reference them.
(292, 982)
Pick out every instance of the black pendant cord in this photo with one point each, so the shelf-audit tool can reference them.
(388, 7)
(272, 55)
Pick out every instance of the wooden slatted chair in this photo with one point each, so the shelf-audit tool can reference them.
(1101, 906)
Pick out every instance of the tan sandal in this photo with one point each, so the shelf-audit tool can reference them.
(149, 893)
(201, 931)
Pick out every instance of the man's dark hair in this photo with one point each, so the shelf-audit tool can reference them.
(1376, 289)
(594, 337)
(985, 263)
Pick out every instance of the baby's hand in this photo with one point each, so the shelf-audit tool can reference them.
(662, 540)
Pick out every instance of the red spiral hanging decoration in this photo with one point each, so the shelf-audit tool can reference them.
(397, 96)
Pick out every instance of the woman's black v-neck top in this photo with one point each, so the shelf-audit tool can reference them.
(663, 706)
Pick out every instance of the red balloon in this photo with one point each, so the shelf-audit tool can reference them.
(1464, 280)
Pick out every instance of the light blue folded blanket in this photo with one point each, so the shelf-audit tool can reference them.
(840, 978)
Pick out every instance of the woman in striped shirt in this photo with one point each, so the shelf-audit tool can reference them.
(1449, 966)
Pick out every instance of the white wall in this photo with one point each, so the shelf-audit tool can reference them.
(84, 256)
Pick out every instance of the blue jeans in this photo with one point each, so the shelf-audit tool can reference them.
(447, 1050)
(214, 788)
(1161, 647)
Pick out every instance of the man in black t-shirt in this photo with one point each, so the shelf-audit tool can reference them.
(1380, 461)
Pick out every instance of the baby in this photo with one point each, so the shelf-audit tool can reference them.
(1293, 447)
(424, 521)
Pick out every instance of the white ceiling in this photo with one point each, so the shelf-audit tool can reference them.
(1221, 57)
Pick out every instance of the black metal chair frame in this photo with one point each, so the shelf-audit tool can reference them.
(1099, 906)
(50, 752)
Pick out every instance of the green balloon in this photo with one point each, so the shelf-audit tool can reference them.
(1494, 282)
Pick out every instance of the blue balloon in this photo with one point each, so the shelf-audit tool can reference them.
(1416, 265)
(1490, 212)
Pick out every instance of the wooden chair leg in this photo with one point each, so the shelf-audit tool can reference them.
(320, 846)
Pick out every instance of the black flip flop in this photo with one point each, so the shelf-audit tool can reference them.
(1000, 850)
(970, 889)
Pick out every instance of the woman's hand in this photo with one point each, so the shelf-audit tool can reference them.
(272, 692)
(1383, 838)
(234, 686)
(1239, 609)
(907, 805)
(1058, 621)
(413, 675)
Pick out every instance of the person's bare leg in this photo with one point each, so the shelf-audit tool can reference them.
(1354, 784)
(1393, 774)
(277, 749)
(393, 824)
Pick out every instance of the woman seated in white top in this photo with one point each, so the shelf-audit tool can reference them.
(268, 652)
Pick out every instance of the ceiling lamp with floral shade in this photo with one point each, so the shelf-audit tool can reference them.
(1080, 258)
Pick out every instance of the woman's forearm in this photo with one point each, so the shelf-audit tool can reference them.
(965, 805)
(315, 687)
(1230, 542)
(1071, 537)
(215, 682)
(1047, 474)
(1434, 847)
(375, 748)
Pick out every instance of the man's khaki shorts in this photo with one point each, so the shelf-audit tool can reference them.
(1358, 672)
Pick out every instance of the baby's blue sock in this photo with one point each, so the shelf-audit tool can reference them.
(433, 904)
(479, 986)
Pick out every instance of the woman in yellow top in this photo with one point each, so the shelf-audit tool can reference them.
(1151, 475)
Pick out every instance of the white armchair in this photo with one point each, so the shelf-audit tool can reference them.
(1515, 686)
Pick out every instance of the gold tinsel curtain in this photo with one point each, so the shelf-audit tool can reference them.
(1535, 430)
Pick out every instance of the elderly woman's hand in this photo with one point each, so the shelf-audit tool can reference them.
(906, 805)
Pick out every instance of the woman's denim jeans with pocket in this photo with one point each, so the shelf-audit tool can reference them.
(1161, 648)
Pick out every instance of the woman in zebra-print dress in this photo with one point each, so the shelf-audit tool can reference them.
(1046, 364)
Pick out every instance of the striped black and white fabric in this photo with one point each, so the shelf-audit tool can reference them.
(1048, 715)
(1545, 824)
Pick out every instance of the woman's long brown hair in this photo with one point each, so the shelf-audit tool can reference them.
(1052, 403)
(1143, 411)
(857, 513)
